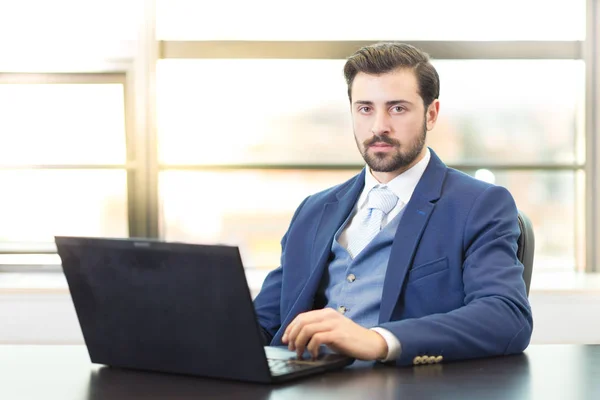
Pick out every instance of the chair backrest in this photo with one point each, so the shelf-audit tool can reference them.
(526, 247)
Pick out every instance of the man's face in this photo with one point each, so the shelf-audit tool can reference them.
(390, 121)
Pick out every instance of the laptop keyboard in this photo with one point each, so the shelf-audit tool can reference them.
(282, 367)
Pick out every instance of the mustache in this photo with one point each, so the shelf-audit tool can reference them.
(381, 139)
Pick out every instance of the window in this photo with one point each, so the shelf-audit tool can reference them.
(249, 208)
(63, 168)
(388, 19)
(500, 116)
(267, 111)
(237, 101)
(67, 35)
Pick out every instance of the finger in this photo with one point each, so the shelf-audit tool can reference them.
(316, 341)
(293, 333)
(288, 329)
(299, 322)
(284, 338)
(307, 332)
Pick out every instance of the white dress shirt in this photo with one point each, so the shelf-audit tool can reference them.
(403, 187)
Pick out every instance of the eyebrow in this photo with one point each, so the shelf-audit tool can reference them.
(387, 103)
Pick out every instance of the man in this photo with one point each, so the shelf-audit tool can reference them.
(410, 261)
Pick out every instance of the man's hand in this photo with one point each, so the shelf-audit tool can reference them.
(327, 326)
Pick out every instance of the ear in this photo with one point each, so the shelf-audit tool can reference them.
(432, 114)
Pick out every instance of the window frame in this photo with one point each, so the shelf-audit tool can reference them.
(139, 78)
(131, 167)
(447, 50)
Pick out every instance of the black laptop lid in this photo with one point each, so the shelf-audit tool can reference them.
(161, 306)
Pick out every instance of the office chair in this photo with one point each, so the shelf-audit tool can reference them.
(526, 246)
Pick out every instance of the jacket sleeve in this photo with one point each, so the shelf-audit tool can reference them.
(496, 316)
(267, 302)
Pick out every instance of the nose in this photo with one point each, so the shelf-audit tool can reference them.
(381, 124)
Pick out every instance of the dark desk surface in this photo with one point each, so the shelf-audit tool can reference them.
(567, 372)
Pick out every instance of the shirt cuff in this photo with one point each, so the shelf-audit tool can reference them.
(393, 344)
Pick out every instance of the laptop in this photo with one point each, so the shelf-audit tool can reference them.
(176, 308)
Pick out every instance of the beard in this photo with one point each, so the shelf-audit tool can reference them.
(402, 157)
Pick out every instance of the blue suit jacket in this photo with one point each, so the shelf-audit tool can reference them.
(454, 286)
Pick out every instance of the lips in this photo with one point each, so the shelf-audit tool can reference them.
(381, 146)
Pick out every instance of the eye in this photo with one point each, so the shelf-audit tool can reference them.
(398, 109)
(364, 109)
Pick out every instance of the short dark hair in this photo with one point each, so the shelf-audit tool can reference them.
(381, 58)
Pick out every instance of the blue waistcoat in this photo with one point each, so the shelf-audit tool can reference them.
(354, 286)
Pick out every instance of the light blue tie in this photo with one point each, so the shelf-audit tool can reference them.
(380, 202)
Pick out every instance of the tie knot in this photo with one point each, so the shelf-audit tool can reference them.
(382, 199)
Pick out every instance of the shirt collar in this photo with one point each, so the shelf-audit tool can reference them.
(402, 186)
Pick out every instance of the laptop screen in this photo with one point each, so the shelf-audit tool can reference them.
(163, 306)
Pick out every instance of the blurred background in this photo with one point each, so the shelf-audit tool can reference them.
(209, 122)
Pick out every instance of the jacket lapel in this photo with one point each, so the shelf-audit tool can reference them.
(409, 233)
(332, 216)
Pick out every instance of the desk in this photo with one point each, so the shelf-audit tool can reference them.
(569, 372)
